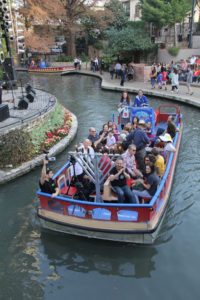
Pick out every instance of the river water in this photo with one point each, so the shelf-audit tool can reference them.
(40, 265)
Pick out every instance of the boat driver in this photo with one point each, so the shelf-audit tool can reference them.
(46, 183)
(141, 100)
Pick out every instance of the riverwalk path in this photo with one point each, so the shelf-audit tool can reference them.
(134, 86)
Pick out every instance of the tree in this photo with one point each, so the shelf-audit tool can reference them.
(120, 19)
(129, 40)
(165, 12)
(64, 13)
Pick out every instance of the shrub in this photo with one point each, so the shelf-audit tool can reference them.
(15, 148)
(20, 145)
(173, 51)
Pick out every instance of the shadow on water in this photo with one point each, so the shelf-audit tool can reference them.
(107, 258)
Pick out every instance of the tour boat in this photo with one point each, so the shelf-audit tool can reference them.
(101, 216)
(50, 69)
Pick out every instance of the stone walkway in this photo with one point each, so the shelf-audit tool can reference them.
(134, 86)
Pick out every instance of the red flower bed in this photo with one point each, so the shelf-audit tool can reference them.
(54, 136)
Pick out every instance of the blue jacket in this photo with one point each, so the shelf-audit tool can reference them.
(139, 138)
(141, 101)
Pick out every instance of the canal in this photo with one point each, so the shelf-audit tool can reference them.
(41, 265)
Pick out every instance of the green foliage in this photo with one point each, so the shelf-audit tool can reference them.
(98, 45)
(64, 58)
(173, 51)
(84, 57)
(55, 120)
(164, 12)
(108, 60)
(15, 148)
(130, 39)
(120, 18)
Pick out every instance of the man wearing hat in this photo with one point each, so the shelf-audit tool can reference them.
(139, 138)
(166, 138)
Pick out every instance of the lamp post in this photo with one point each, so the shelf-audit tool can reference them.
(191, 24)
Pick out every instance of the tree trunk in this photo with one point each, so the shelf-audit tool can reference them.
(71, 47)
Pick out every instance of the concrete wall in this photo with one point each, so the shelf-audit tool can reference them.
(165, 57)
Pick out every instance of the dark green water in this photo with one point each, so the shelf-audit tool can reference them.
(40, 265)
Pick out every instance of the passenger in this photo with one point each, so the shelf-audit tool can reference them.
(149, 160)
(123, 108)
(110, 140)
(95, 139)
(141, 100)
(171, 127)
(46, 183)
(115, 131)
(93, 135)
(168, 143)
(86, 148)
(159, 163)
(104, 133)
(140, 139)
(135, 123)
(105, 162)
(148, 128)
(130, 163)
(150, 184)
(118, 177)
(127, 128)
(110, 125)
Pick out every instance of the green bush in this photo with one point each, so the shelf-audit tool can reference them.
(84, 57)
(173, 51)
(15, 148)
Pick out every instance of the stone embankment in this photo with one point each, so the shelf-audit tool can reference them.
(34, 121)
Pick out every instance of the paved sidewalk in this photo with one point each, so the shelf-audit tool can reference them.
(134, 86)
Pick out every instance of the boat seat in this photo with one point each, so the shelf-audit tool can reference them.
(64, 188)
(108, 193)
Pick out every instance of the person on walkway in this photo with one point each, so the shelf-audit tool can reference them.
(141, 100)
(123, 75)
(175, 81)
(118, 178)
(164, 77)
(118, 67)
(112, 71)
(153, 76)
(189, 80)
(139, 138)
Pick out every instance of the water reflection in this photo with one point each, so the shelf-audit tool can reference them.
(107, 258)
